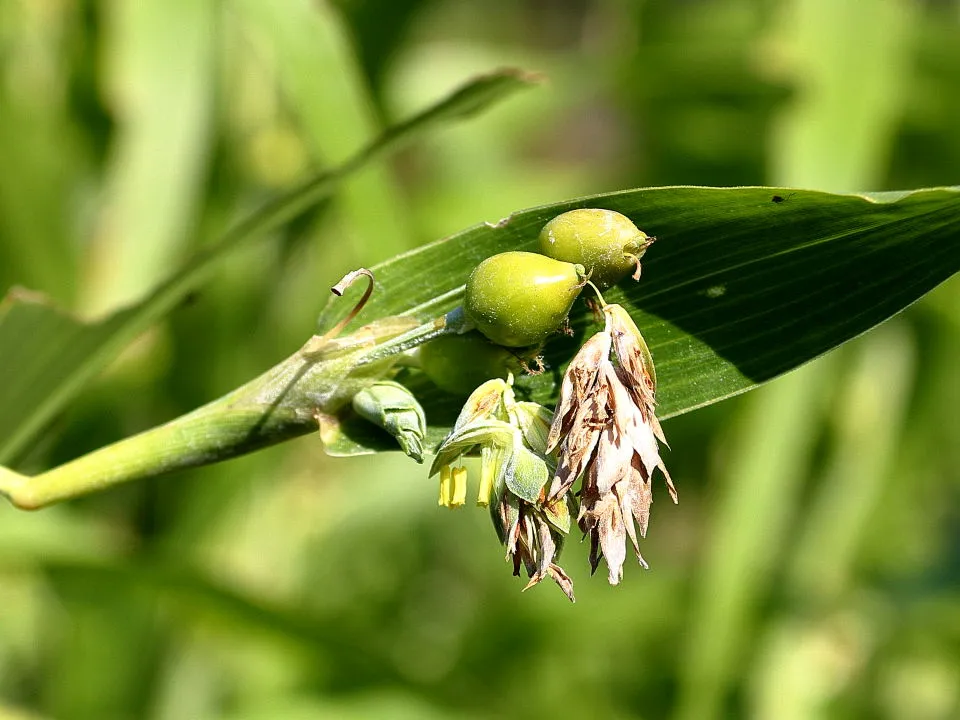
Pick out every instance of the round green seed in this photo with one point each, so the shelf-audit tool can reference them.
(605, 242)
(518, 299)
(459, 364)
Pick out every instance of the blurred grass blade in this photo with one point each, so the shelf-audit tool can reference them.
(797, 660)
(39, 167)
(159, 68)
(742, 285)
(47, 356)
(869, 417)
(837, 132)
(760, 489)
(303, 36)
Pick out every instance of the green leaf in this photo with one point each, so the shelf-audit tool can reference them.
(742, 285)
(47, 356)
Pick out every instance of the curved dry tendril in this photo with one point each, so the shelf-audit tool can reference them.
(648, 241)
(338, 290)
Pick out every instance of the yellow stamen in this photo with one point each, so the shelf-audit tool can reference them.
(487, 470)
(453, 487)
(459, 497)
(446, 486)
(486, 485)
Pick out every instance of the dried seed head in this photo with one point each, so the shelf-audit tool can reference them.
(607, 433)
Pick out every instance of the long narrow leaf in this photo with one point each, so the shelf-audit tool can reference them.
(742, 285)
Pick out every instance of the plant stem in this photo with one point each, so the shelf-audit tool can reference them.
(240, 422)
(281, 404)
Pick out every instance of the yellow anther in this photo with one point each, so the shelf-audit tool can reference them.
(487, 471)
(446, 486)
(459, 496)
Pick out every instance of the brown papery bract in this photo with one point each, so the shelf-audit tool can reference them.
(607, 432)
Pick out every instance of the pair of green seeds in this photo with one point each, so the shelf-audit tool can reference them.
(518, 299)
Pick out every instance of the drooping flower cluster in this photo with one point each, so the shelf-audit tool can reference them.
(604, 431)
(607, 432)
(510, 436)
(604, 434)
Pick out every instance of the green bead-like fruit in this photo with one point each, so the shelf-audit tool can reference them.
(605, 242)
(517, 299)
(461, 363)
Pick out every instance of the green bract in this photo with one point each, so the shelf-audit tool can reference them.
(394, 408)
(459, 363)
(605, 242)
(517, 299)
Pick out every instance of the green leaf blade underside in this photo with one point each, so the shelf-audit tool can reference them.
(742, 285)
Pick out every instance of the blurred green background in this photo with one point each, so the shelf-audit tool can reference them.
(812, 568)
